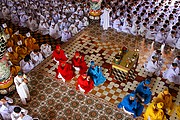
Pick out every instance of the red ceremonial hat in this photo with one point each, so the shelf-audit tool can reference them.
(77, 53)
(58, 46)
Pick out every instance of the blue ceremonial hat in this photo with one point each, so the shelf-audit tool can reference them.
(147, 81)
(132, 94)
(92, 63)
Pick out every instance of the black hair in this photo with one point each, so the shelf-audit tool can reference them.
(17, 109)
(174, 64)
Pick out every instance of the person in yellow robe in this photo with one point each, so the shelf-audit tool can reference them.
(18, 37)
(10, 43)
(30, 42)
(15, 69)
(166, 98)
(13, 56)
(154, 111)
(178, 111)
(22, 51)
(7, 30)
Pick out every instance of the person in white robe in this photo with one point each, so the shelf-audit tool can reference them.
(46, 50)
(5, 107)
(158, 55)
(23, 20)
(106, 17)
(71, 19)
(73, 29)
(20, 82)
(172, 74)
(117, 24)
(127, 26)
(65, 35)
(43, 28)
(79, 24)
(18, 113)
(6, 13)
(177, 60)
(26, 64)
(32, 24)
(135, 27)
(153, 66)
(54, 31)
(36, 57)
(150, 34)
(85, 21)
(14, 18)
(161, 36)
(171, 39)
(143, 29)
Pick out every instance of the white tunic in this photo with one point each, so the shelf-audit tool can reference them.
(36, 58)
(171, 41)
(16, 116)
(65, 36)
(150, 35)
(172, 74)
(177, 61)
(32, 25)
(73, 29)
(105, 18)
(26, 66)
(178, 44)
(21, 87)
(160, 37)
(46, 50)
(116, 24)
(153, 67)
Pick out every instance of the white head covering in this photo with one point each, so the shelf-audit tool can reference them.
(4, 25)
(65, 29)
(28, 34)
(17, 32)
(10, 49)
(59, 20)
(19, 42)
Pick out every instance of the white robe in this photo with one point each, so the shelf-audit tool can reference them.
(171, 41)
(6, 109)
(23, 20)
(142, 31)
(16, 116)
(21, 87)
(177, 61)
(54, 32)
(116, 25)
(173, 75)
(65, 36)
(36, 58)
(46, 50)
(73, 30)
(32, 25)
(43, 28)
(178, 44)
(26, 66)
(150, 35)
(160, 37)
(153, 67)
(106, 18)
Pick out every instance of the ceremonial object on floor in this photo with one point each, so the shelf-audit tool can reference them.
(125, 62)
(95, 9)
(6, 80)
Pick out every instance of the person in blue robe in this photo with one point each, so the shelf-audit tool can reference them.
(95, 72)
(143, 91)
(131, 104)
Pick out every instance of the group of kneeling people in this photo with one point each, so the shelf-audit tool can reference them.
(66, 71)
(160, 108)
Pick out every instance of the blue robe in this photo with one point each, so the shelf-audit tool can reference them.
(131, 106)
(144, 92)
(97, 75)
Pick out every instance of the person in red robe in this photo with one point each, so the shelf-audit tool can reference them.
(79, 62)
(65, 71)
(59, 55)
(84, 83)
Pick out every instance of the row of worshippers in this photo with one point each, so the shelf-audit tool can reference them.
(66, 71)
(155, 63)
(161, 106)
(133, 18)
(56, 18)
(9, 111)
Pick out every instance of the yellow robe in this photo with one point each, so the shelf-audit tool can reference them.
(14, 58)
(31, 44)
(167, 100)
(154, 114)
(178, 111)
(8, 31)
(22, 51)
(15, 70)
(10, 43)
(17, 38)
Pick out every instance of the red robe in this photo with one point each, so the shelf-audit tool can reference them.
(59, 56)
(67, 71)
(79, 62)
(84, 84)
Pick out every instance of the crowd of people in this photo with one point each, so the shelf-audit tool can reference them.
(154, 20)
(59, 19)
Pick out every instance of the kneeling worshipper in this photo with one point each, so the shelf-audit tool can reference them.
(172, 74)
(65, 35)
(46, 50)
(7, 30)
(18, 38)
(26, 64)
(131, 105)
(14, 69)
(20, 82)
(153, 66)
(95, 72)
(143, 91)
(84, 83)
(22, 51)
(79, 63)
(58, 54)
(166, 98)
(36, 57)
(177, 60)
(18, 113)
(65, 71)
(13, 56)
(5, 107)
(154, 111)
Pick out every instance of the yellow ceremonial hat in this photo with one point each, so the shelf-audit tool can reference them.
(160, 105)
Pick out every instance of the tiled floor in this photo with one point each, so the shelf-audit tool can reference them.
(101, 46)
